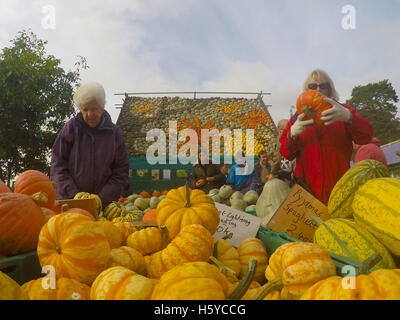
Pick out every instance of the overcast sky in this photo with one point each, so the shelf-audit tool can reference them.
(216, 45)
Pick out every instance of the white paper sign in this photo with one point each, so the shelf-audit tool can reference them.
(243, 225)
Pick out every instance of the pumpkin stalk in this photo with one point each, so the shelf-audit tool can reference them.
(187, 203)
(245, 283)
(273, 285)
(40, 197)
(227, 272)
(165, 235)
(369, 263)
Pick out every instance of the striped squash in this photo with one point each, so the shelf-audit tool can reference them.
(345, 238)
(193, 243)
(376, 207)
(147, 241)
(64, 289)
(253, 248)
(129, 258)
(75, 246)
(119, 283)
(126, 229)
(112, 232)
(341, 198)
(228, 255)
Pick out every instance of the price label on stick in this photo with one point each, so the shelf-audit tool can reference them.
(293, 216)
(242, 225)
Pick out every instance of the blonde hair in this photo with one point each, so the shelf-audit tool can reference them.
(322, 76)
(88, 92)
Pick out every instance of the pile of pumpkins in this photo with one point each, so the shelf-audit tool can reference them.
(180, 258)
(235, 199)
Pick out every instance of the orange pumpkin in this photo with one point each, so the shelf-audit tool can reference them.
(164, 192)
(64, 289)
(119, 283)
(20, 222)
(56, 208)
(184, 206)
(150, 216)
(312, 104)
(145, 194)
(381, 284)
(32, 181)
(75, 246)
(80, 211)
(294, 267)
(148, 240)
(126, 228)
(253, 248)
(193, 243)
(3, 187)
(129, 258)
(47, 213)
(156, 193)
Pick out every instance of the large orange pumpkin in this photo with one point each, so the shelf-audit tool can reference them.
(183, 206)
(3, 187)
(75, 246)
(312, 103)
(20, 222)
(32, 181)
(80, 211)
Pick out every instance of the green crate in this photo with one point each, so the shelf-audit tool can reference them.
(22, 268)
(150, 182)
(272, 240)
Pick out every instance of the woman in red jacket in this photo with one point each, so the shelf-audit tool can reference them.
(323, 154)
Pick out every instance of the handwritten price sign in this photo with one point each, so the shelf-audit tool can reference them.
(293, 216)
(242, 225)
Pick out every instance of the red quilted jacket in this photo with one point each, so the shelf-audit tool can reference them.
(323, 154)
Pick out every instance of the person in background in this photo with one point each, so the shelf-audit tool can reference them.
(323, 154)
(89, 153)
(371, 150)
(224, 168)
(243, 177)
(263, 167)
(206, 176)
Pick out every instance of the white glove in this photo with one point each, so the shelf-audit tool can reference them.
(337, 113)
(300, 126)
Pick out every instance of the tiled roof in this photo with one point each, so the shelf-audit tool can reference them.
(390, 151)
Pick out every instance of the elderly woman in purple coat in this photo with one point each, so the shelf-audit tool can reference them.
(89, 154)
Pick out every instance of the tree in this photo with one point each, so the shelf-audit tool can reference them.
(35, 101)
(376, 102)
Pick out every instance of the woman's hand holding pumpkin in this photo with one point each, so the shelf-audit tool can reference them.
(300, 126)
(337, 113)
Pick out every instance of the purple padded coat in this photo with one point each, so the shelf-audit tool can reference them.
(93, 160)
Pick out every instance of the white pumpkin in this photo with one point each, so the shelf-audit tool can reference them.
(236, 195)
(213, 192)
(251, 197)
(225, 191)
(275, 191)
(238, 204)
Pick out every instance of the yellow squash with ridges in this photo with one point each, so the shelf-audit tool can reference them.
(376, 207)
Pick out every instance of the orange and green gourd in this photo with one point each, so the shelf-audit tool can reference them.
(75, 245)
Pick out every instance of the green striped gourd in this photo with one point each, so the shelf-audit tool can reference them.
(347, 239)
(341, 198)
(114, 209)
(376, 207)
